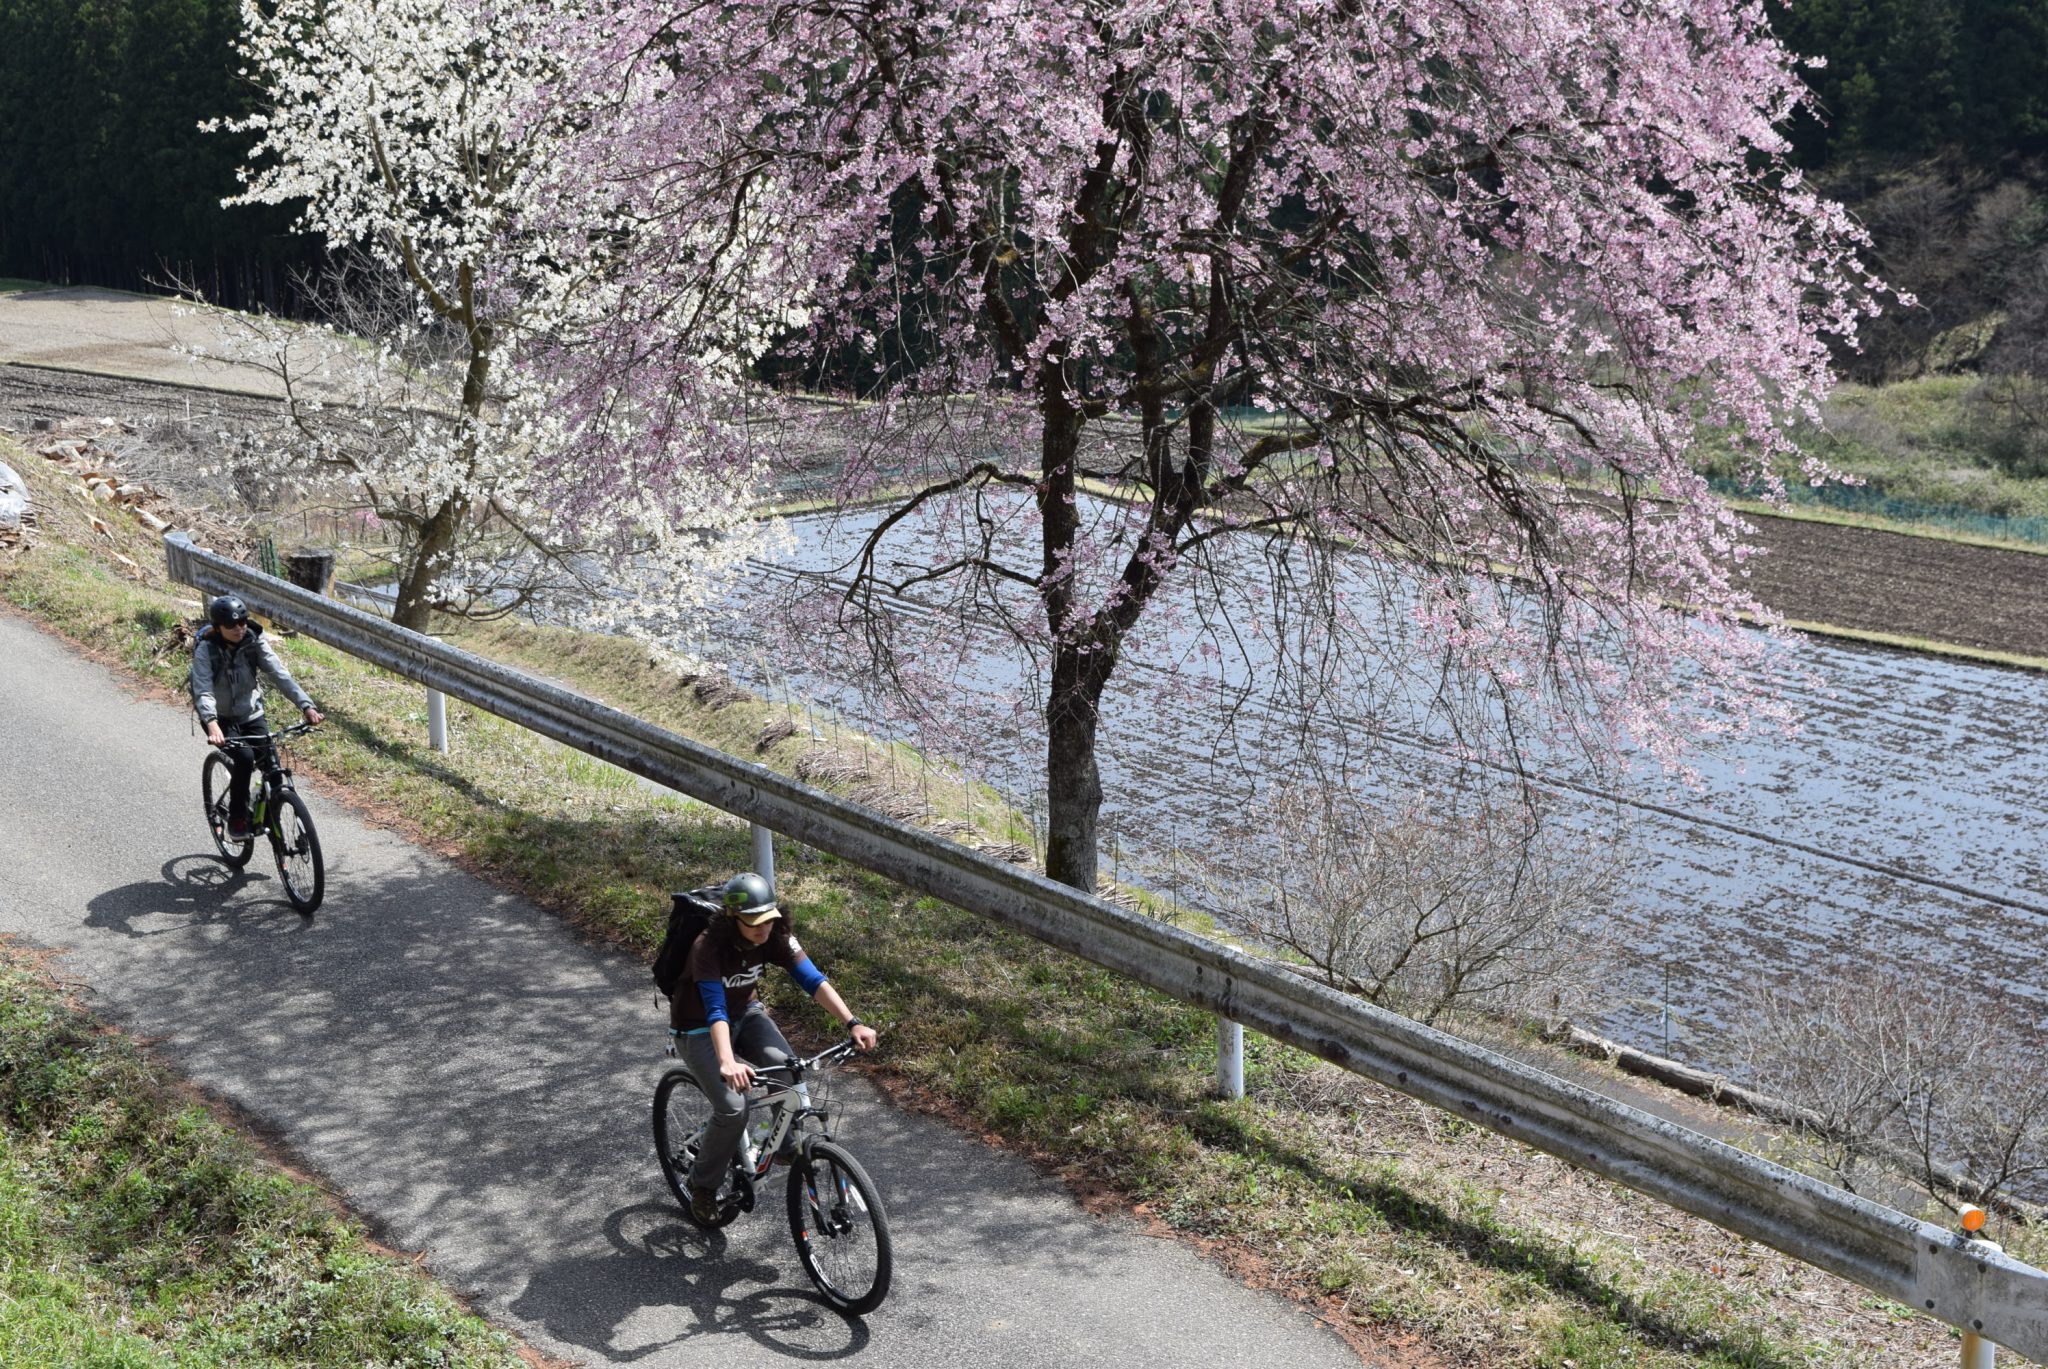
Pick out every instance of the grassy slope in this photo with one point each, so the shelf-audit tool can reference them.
(138, 1230)
(1384, 1213)
(1931, 442)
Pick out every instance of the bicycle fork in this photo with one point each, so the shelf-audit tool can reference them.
(832, 1221)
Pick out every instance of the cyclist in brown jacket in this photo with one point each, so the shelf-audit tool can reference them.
(721, 1029)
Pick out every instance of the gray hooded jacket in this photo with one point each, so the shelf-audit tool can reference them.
(227, 681)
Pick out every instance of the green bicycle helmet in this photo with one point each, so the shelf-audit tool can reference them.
(749, 898)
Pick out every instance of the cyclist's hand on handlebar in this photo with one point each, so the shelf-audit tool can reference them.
(737, 1075)
(863, 1037)
(214, 736)
(315, 716)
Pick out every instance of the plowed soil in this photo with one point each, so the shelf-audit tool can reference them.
(1981, 597)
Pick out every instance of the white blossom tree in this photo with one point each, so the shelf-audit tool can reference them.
(417, 131)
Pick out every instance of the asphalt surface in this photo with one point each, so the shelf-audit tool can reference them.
(475, 1080)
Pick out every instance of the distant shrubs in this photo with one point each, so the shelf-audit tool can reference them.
(1433, 908)
(1929, 447)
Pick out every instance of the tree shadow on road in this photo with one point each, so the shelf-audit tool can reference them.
(661, 1270)
(472, 1077)
(195, 890)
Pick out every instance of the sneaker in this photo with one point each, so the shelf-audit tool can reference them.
(240, 830)
(704, 1204)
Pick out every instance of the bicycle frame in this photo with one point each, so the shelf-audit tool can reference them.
(776, 1095)
(276, 777)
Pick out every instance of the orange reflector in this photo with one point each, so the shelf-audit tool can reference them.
(1972, 1218)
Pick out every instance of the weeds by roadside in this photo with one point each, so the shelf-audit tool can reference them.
(138, 1230)
(1937, 451)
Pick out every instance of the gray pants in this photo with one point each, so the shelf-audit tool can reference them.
(758, 1041)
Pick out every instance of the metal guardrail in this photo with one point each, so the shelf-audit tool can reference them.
(1970, 1285)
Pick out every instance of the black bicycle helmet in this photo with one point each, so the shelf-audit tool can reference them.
(227, 608)
(749, 898)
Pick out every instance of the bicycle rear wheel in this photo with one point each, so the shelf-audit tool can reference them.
(842, 1234)
(681, 1112)
(297, 848)
(216, 778)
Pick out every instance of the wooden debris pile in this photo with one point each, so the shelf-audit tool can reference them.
(85, 449)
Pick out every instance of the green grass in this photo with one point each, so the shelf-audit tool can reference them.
(1375, 1209)
(15, 284)
(1947, 451)
(2008, 659)
(1847, 518)
(138, 1230)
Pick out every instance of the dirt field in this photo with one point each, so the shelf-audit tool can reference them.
(1910, 586)
(116, 333)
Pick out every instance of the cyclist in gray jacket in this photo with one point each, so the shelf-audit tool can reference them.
(229, 664)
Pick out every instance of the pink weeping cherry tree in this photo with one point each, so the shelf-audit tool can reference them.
(1423, 303)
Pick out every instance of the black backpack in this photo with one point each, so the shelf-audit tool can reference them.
(689, 913)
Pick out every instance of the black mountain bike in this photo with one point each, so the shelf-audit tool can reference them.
(835, 1214)
(275, 809)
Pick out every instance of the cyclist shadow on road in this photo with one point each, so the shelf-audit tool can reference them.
(194, 889)
(663, 1275)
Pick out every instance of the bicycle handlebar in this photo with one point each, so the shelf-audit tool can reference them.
(831, 1055)
(295, 730)
(797, 1069)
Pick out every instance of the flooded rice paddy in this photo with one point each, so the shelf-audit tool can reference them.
(1904, 823)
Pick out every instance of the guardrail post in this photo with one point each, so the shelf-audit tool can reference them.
(764, 854)
(1229, 1058)
(437, 720)
(1978, 1353)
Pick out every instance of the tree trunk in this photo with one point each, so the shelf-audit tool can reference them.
(1073, 784)
(414, 604)
(438, 534)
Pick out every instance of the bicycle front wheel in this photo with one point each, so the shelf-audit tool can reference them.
(297, 847)
(216, 776)
(842, 1234)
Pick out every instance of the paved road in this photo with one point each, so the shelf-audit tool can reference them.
(475, 1080)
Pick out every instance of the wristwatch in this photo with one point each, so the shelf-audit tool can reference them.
(853, 1022)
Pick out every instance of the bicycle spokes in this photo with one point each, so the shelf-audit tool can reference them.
(841, 1233)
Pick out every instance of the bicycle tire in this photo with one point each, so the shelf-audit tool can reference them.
(216, 775)
(840, 1229)
(296, 847)
(680, 1113)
